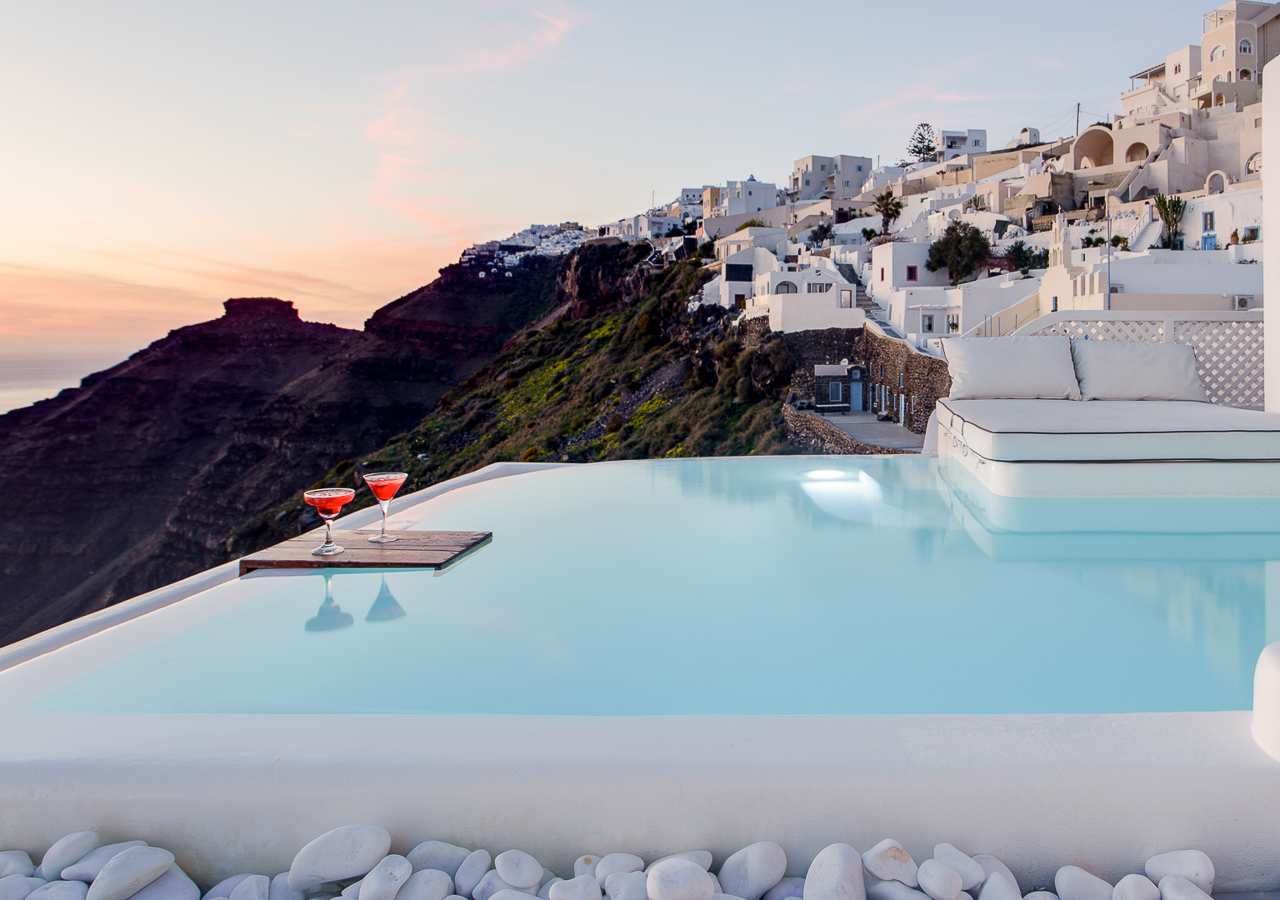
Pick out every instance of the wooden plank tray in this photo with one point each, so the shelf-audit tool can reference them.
(414, 550)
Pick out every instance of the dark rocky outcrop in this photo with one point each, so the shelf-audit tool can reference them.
(138, 477)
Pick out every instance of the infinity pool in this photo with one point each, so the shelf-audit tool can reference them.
(754, 586)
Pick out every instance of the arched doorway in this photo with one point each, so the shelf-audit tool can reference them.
(1137, 152)
(786, 287)
(1094, 148)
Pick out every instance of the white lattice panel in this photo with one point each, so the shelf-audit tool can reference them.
(1229, 357)
(1228, 352)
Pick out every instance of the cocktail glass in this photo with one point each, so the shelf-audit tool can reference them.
(384, 486)
(328, 503)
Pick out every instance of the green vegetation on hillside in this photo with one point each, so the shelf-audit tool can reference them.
(639, 378)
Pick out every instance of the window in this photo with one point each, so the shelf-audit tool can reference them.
(926, 323)
(977, 143)
(834, 392)
(1251, 234)
(1246, 47)
(785, 287)
(1206, 221)
(1217, 53)
(1177, 67)
(882, 273)
(858, 168)
(1055, 305)
(846, 299)
(824, 167)
(913, 273)
(806, 182)
(818, 287)
(1246, 75)
(882, 370)
(900, 377)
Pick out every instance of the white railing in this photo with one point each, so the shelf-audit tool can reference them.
(1228, 345)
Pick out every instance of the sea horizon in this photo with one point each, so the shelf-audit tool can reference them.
(27, 378)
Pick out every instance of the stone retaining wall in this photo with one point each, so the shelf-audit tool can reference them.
(820, 348)
(909, 378)
(817, 435)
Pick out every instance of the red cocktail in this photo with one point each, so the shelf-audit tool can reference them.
(384, 486)
(328, 503)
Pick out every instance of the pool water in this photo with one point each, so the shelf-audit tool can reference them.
(782, 585)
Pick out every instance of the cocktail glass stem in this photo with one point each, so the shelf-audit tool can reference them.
(328, 535)
(386, 505)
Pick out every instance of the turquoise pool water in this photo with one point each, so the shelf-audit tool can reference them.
(740, 586)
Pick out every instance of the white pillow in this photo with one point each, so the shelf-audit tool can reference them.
(1011, 368)
(1137, 370)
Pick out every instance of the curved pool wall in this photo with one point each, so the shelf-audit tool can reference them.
(234, 791)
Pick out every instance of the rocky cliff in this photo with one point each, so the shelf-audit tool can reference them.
(139, 476)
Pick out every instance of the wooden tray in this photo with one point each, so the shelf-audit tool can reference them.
(414, 550)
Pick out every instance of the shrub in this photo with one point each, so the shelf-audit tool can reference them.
(530, 455)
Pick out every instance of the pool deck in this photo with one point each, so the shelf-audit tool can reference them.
(866, 429)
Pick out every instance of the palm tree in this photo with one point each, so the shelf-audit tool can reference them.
(1171, 210)
(889, 207)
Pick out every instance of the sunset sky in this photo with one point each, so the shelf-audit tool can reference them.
(160, 157)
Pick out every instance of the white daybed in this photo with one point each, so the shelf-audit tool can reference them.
(1075, 446)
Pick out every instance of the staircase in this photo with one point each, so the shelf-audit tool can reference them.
(850, 274)
(1148, 235)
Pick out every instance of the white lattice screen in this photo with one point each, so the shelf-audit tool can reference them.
(1228, 346)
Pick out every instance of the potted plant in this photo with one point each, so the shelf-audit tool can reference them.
(1235, 236)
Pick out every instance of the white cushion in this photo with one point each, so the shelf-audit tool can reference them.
(1043, 430)
(1023, 368)
(1137, 370)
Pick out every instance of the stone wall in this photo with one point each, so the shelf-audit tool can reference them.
(910, 379)
(819, 348)
(751, 332)
(816, 435)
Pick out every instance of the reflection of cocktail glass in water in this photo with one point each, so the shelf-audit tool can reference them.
(330, 617)
(385, 606)
(384, 486)
(328, 503)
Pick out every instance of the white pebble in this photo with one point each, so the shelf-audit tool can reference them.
(280, 889)
(91, 864)
(489, 885)
(939, 881)
(544, 892)
(386, 878)
(224, 887)
(174, 884)
(583, 887)
(1041, 895)
(753, 870)
(346, 852)
(129, 872)
(67, 850)
(1074, 883)
(547, 877)
(470, 871)
(60, 890)
(255, 887)
(427, 884)
(716, 882)
(720, 896)
(999, 887)
(970, 870)
(437, 855)
(890, 861)
(1192, 865)
(586, 865)
(511, 894)
(835, 874)
(878, 889)
(1175, 887)
(1135, 887)
(352, 891)
(519, 869)
(17, 887)
(990, 864)
(677, 878)
(616, 864)
(784, 889)
(15, 862)
(701, 858)
(626, 885)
